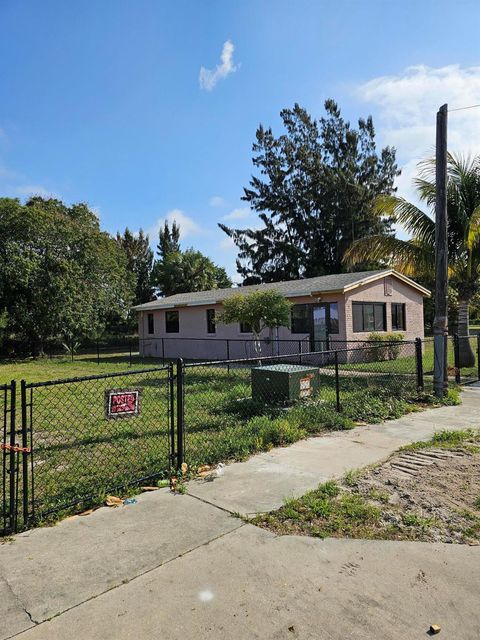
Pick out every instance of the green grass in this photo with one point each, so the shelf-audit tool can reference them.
(405, 363)
(43, 369)
(347, 510)
(80, 453)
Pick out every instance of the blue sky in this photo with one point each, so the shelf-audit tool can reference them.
(105, 102)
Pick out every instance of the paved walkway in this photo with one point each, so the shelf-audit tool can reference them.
(181, 567)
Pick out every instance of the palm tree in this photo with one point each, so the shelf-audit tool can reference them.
(416, 257)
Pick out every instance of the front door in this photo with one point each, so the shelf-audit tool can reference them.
(319, 333)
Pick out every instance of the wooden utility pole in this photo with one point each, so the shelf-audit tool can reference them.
(440, 323)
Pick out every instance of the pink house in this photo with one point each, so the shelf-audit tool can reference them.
(327, 311)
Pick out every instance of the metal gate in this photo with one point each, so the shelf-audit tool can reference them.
(15, 452)
(78, 439)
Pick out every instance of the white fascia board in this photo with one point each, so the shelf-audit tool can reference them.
(201, 303)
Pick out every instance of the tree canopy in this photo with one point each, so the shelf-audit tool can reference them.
(259, 310)
(60, 274)
(314, 195)
(178, 271)
(139, 262)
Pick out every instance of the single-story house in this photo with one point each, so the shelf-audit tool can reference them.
(327, 310)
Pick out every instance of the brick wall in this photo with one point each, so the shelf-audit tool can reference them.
(376, 292)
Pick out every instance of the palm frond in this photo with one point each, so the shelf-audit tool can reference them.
(411, 218)
(473, 233)
(410, 257)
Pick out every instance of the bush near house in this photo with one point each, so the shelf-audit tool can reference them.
(390, 348)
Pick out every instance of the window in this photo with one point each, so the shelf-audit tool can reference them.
(333, 320)
(369, 316)
(171, 322)
(211, 328)
(245, 327)
(150, 323)
(300, 317)
(398, 316)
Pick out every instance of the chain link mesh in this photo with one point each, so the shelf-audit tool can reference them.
(235, 407)
(80, 452)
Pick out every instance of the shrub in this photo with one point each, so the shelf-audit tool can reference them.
(316, 417)
(387, 345)
(279, 431)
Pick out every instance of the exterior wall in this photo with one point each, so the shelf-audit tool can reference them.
(400, 292)
(193, 342)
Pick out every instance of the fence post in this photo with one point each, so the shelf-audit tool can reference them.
(130, 352)
(23, 395)
(180, 412)
(12, 511)
(478, 356)
(337, 383)
(98, 352)
(171, 385)
(419, 363)
(456, 353)
(228, 355)
(163, 351)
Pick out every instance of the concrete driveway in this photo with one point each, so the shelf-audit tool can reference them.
(181, 567)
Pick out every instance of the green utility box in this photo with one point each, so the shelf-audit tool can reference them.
(284, 383)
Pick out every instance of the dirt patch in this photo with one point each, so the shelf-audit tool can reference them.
(439, 487)
(428, 491)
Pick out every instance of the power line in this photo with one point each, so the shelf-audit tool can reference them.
(473, 106)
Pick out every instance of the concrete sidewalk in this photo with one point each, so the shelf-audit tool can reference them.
(265, 480)
(182, 567)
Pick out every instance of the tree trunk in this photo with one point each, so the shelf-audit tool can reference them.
(466, 357)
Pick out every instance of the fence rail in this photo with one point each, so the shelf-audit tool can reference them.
(68, 442)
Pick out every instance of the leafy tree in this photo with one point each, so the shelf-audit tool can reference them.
(139, 262)
(314, 195)
(60, 274)
(190, 270)
(168, 240)
(178, 271)
(416, 257)
(259, 310)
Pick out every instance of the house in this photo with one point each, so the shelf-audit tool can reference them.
(327, 311)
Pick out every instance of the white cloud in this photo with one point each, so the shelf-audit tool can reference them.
(226, 244)
(238, 214)
(188, 226)
(406, 105)
(217, 201)
(208, 78)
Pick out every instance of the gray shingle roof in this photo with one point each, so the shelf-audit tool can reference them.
(307, 286)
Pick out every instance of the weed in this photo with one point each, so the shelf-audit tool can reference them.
(352, 477)
(379, 496)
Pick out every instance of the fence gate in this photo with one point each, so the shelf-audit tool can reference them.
(75, 440)
(14, 453)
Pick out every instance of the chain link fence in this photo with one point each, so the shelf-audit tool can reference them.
(95, 435)
(234, 407)
(77, 439)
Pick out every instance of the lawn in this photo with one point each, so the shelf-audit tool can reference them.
(405, 362)
(79, 454)
(42, 369)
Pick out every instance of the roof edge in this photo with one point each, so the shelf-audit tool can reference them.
(425, 292)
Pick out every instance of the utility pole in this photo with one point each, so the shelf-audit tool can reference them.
(440, 323)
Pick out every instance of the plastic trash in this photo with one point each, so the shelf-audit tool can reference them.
(130, 501)
(216, 473)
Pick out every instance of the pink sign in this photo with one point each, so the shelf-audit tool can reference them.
(122, 402)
